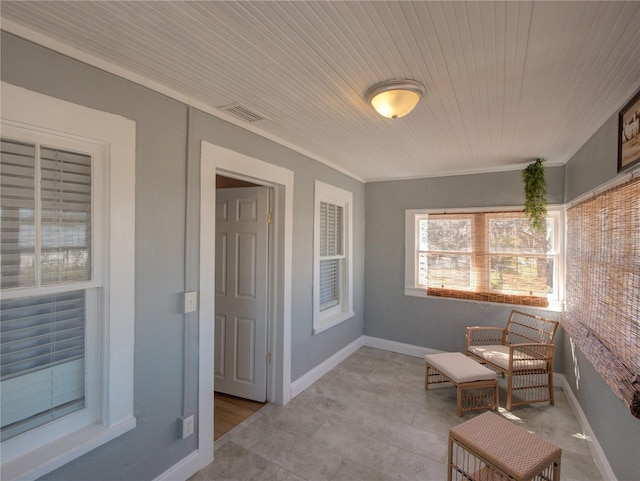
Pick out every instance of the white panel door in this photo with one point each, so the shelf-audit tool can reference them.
(241, 292)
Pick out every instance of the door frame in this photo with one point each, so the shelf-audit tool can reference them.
(219, 160)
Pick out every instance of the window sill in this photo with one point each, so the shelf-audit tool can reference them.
(554, 306)
(331, 321)
(58, 453)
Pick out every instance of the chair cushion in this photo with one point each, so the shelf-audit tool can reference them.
(498, 354)
(458, 367)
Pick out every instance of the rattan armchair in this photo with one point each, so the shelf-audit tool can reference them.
(523, 352)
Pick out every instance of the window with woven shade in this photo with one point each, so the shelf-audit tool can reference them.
(603, 285)
(492, 256)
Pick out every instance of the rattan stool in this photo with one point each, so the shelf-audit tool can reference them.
(490, 448)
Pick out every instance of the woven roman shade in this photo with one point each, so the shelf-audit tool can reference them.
(603, 287)
(485, 256)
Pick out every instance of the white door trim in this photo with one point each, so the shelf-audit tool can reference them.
(215, 159)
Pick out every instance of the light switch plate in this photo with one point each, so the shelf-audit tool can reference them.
(190, 301)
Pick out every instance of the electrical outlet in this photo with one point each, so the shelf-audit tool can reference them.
(186, 424)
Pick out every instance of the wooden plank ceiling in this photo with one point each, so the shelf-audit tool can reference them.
(506, 81)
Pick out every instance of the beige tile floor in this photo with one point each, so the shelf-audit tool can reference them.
(370, 419)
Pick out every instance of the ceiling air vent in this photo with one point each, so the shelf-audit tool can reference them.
(241, 112)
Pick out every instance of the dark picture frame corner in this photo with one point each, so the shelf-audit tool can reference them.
(629, 134)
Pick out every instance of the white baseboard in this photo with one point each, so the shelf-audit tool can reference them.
(320, 370)
(186, 467)
(323, 368)
(594, 446)
(399, 347)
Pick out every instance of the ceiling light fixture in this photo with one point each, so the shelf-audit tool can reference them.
(395, 98)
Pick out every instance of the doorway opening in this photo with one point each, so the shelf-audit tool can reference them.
(243, 259)
(216, 160)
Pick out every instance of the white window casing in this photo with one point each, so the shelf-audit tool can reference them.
(108, 286)
(333, 263)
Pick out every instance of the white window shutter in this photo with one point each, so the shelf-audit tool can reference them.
(17, 214)
(42, 373)
(66, 216)
(329, 283)
(45, 213)
(331, 249)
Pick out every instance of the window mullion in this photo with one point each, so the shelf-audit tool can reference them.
(479, 256)
(38, 214)
(340, 230)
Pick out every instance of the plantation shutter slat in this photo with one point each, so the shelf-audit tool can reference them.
(17, 214)
(38, 398)
(80, 189)
(18, 166)
(42, 353)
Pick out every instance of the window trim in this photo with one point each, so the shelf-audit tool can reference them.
(116, 135)
(38, 437)
(323, 320)
(412, 288)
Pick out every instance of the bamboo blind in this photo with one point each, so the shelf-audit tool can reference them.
(522, 300)
(603, 287)
(485, 256)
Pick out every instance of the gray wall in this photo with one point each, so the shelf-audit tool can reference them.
(616, 430)
(432, 322)
(167, 259)
(595, 163)
(308, 350)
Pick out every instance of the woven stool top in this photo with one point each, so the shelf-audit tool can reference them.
(510, 448)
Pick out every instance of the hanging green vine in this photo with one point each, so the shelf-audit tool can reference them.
(535, 192)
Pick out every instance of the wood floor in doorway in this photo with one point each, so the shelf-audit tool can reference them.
(229, 411)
